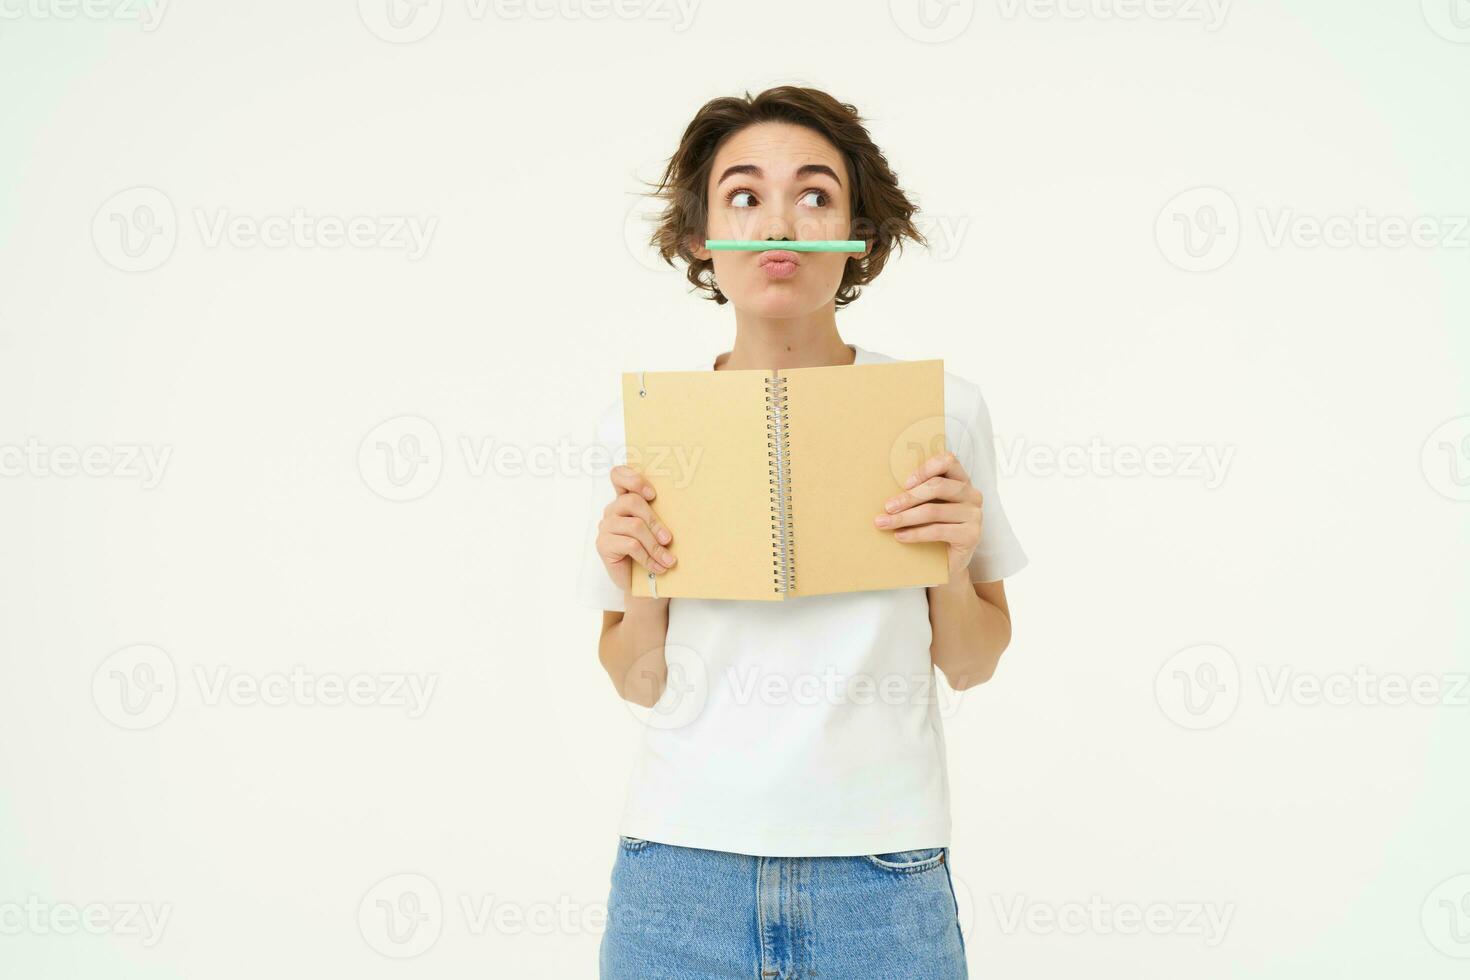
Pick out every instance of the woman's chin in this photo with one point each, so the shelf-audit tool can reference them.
(780, 304)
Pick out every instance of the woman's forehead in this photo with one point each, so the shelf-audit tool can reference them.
(778, 149)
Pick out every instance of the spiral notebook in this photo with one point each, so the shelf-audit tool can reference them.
(770, 479)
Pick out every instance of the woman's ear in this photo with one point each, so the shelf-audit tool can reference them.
(697, 249)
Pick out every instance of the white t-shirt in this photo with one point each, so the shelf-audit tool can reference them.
(809, 726)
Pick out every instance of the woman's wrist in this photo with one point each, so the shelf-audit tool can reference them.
(958, 583)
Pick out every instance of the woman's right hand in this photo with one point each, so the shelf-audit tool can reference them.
(630, 531)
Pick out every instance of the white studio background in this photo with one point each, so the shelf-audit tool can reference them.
(1208, 261)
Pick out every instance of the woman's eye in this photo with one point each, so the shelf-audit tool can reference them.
(742, 199)
(820, 199)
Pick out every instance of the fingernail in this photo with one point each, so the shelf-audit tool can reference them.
(913, 478)
(663, 536)
(648, 493)
(667, 557)
(882, 520)
(891, 506)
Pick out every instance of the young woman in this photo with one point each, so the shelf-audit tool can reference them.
(777, 836)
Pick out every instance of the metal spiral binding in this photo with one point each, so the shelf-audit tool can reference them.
(778, 460)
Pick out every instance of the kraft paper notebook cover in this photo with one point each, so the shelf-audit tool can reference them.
(770, 479)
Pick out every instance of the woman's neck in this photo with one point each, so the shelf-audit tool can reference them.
(806, 341)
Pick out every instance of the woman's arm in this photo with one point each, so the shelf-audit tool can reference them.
(971, 626)
(630, 533)
(632, 649)
(970, 623)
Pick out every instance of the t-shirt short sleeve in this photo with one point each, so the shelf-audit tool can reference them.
(595, 589)
(972, 438)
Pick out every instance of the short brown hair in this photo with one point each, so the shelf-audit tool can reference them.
(881, 213)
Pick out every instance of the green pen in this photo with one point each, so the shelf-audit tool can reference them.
(724, 245)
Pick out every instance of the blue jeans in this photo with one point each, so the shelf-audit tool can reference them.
(687, 913)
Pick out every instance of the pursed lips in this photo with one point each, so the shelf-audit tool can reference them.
(779, 264)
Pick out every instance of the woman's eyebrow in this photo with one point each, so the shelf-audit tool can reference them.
(805, 170)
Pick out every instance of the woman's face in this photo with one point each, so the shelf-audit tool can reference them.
(778, 180)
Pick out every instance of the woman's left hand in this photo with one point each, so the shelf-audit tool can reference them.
(939, 504)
